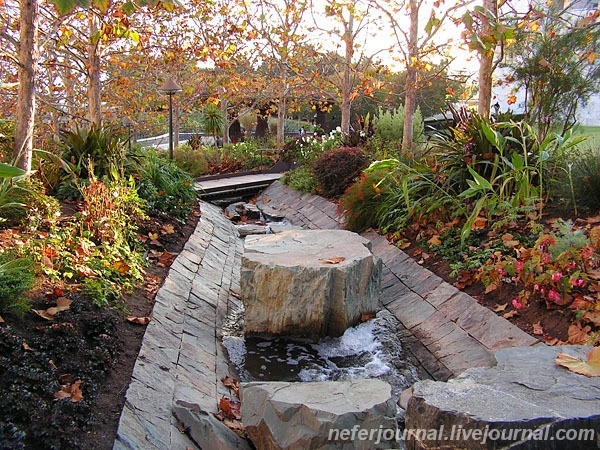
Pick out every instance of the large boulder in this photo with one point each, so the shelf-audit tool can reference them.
(308, 283)
(321, 415)
(526, 401)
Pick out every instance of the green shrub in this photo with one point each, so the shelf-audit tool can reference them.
(337, 169)
(584, 179)
(301, 179)
(30, 205)
(91, 153)
(7, 136)
(361, 200)
(193, 159)
(16, 277)
(168, 190)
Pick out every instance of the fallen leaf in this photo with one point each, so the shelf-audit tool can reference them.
(589, 368)
(235, 426)
(72, 392)
(479, 223)
(167, 229)
(43, 314)
(153, 236)
(578, 335)
(334, 260)
(500, 308)
(592, 317)
(367, 317)
(510, 314)
(435, 240)
(230, 408)
(509, 241)
(537, 329)
(166, 258)
(138, 320)
(490, 288)
(26, 347)
(121, 266)
(47, 262)
(231, 383)
(1, 319)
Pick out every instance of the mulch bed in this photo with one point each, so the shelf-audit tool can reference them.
(64, 381)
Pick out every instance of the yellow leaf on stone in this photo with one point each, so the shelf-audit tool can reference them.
(334, 260)
(589, 368)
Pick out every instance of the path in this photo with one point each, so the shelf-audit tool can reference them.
(212, 187)
(181, 356)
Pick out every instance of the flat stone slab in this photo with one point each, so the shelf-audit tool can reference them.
(319, 415)
(525, 401)
(308, 283)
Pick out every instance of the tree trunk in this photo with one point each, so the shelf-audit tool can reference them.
(262, 123)
(281, 120)
(226, 122)
(346, 106)
(486, 66)
(410, 99)
(94, 85)
(28, 65)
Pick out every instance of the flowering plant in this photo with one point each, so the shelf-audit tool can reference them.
(558, 268)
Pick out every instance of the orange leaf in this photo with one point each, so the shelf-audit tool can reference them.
(167, 229)
(578, 335)
(512, 100)
(231, 383)
(510, 314)
(334, 260)
(166, 258)
(537, 329)
(138, 320)
(230, 408)
(435, 240)
(479, 223)
(121, 266)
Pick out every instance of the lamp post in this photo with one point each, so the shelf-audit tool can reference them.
(170, 87)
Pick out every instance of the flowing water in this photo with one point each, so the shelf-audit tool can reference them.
(369, 350)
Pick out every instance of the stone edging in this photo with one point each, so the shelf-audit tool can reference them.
(181, 358)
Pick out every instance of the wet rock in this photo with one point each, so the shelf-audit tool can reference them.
(525, 401)
(237, 210)
(248, 229)
(271, 214)
(283, 415)
(308, 283)
(206, 430)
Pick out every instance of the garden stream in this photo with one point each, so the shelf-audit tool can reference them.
(371, 349)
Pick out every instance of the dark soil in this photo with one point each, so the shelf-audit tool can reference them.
(63, 382)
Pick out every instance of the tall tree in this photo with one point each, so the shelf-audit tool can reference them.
(28, 66)
(417, 48)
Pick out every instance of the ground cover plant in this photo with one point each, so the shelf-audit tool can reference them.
(77, 282)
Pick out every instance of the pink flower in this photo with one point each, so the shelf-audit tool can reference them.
(536, 287)
(554, 295)
(557, 276)
(519, 266)
(517, 304)
(572, 265)
(578, 282)
(501, 271)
